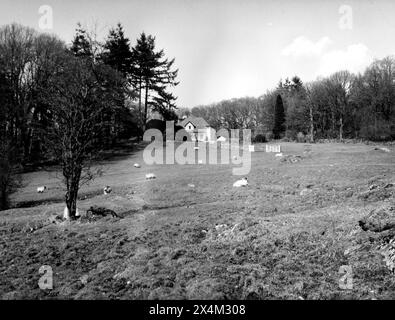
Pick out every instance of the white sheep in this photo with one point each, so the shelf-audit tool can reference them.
(220, 227)
(107, 190)
(150, 176)
(136, 165)
(41, 189)
(241, 183)
(278, 154)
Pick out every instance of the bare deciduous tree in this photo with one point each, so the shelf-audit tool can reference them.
(80, 91)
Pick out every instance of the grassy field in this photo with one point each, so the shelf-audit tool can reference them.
(285, 236)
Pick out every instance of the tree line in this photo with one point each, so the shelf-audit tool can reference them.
(342, 105)
(66, 102)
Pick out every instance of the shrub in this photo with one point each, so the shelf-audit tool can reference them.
(301, 137)
(381, 132)
(269, 136)
(308, 138)
(259, 138)
(290, 135)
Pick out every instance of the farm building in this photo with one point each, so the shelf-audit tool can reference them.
(198, 129)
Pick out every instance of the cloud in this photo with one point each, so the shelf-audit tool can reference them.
(323, 61)
(304, 47)
(355, 58)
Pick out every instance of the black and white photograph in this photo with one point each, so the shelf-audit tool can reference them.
(197, 150)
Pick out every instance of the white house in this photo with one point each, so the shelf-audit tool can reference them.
(198, 129)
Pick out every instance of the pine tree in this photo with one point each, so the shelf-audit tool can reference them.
(164, 104)
(81, 46)
(279, 118)
(152, 75)
(117, 53)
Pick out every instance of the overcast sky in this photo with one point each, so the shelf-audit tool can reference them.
(234, 48)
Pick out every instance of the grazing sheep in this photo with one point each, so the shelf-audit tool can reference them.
(241, 183)
(41, 189)
(136, 165)
(150, 176)
(220, 227)
(107, 190)
(383, 149)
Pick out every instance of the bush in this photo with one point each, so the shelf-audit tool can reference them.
(301, 137)
(259, 138)
(269, 136)
(383, 131)
(308, 138)
(291, 135)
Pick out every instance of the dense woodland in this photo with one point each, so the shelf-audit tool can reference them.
(66, 102)
(343, 105)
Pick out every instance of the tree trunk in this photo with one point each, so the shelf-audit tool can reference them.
(72, 193)
(25, 142)
(341, 129)
(140, 115)
(311, 125)
(333, 124)
(145, 106)
(113, 129)
(30, 145)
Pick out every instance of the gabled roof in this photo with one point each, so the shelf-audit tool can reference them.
(198, 122)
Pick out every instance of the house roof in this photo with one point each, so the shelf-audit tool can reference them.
(198, 122)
